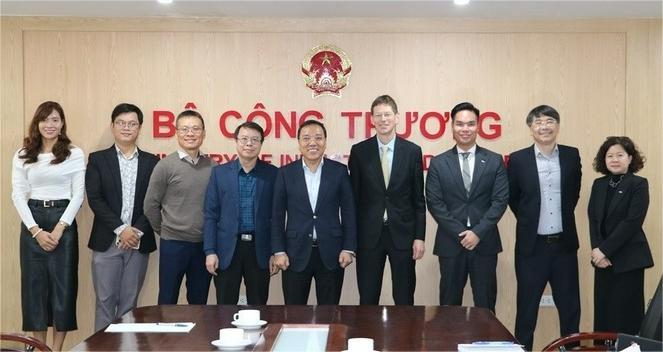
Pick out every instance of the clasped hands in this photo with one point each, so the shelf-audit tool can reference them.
(468, 239)
(599, 259)
(48, 241)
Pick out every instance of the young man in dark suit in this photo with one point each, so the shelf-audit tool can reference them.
(544, 187)
(116, 180)
(314, 241)
(238, 215)
(388, 184)
(467, 193)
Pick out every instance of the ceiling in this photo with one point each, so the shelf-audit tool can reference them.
(489, 9)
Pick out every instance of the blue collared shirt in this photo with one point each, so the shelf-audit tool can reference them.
(550, 185)
(247, 190)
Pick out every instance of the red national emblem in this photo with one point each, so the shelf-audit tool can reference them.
(326, 70)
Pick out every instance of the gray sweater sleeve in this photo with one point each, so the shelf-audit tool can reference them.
(154, 196)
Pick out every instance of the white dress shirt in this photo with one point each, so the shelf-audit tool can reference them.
(313, 186)
(550, 185)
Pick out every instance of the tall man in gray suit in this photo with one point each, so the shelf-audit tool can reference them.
(467, 193)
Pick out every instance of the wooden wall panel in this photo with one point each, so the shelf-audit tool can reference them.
(603, 77)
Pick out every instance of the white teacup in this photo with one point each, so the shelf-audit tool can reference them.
(230, 335)
(247, 316)
(360, 344)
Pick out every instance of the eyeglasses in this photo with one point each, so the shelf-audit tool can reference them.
(246, 140)
(186, 129)
(541, 123)
(131, 124)
(307, 139)
(386, 114)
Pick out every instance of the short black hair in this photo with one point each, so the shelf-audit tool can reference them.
(253, 126)
(385, 100)
(309, 123)
(190, 113)
(464, 106)
(637, 161)
(542, 110)
(124, 108)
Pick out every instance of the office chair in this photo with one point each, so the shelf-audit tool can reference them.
(649, 337)
(651, 324)
(589, 341)
(29, 343)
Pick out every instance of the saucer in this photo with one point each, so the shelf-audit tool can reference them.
(234, 345)
(249, 325)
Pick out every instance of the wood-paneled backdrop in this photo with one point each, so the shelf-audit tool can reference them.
(603, 76)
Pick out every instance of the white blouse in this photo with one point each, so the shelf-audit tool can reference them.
(45, 181)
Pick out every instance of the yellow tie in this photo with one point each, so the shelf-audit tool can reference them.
(384, 160)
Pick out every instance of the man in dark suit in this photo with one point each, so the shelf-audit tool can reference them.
(238, 214)
(116, 180)
(314, 242)
(544, 187)
(388, 184)
(467, 193)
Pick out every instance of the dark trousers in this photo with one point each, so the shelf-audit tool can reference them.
(328, 283)
(550, 262)
(243, 265)
(483, 277)
(179, 258)
(619, 302)
(370, 269)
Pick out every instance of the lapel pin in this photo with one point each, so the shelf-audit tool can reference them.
(620, 192)
(483, 161)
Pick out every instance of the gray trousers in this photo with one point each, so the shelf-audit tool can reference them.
(118, 277)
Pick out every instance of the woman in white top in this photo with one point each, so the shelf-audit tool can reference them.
(48, 180)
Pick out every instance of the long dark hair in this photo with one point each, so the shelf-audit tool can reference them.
(32, 143)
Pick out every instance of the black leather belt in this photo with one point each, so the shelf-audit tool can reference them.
(48, 203)
(554, 238)
(246, 237)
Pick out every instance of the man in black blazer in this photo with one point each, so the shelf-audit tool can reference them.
(116, 180)
(313, 242)
(467, 193)
(544, 185)
(388, 184)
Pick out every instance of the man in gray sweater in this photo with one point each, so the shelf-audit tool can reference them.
(174, 207)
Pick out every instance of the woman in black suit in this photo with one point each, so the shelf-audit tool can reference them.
(620, 252)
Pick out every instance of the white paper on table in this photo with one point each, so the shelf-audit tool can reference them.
(633, 348)
(183, 327)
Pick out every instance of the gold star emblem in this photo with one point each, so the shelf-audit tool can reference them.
(326, 59)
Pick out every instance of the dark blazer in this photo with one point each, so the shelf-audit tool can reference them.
(625, 243)
(103, 185)
(403, 199)
(221, 225)
(525, 196)
(296, 235)
(450, 205)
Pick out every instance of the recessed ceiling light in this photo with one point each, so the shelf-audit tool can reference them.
(461, 2)
(165, 1)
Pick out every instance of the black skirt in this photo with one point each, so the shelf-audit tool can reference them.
(49, 280)
(619, 300)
